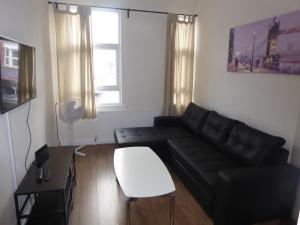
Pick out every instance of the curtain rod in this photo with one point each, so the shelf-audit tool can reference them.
(124, 9)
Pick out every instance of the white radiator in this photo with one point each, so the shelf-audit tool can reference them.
(108, 121)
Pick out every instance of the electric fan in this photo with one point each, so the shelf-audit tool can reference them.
(72, 111)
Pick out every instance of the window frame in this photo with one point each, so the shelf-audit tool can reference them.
(10, 58)
(117, 48)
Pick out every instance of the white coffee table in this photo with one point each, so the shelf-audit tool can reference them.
(142, 174)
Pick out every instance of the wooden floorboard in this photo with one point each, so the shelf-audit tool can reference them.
(98, 200)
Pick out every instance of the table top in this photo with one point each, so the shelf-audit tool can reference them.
(58, 164)
(141, 173)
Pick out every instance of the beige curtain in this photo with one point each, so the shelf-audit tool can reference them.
(26, 81)
(72, 49)
(179, 64)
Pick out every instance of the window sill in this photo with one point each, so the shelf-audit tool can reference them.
(110, 108)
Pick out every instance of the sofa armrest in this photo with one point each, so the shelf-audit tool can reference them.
(161, 121)
(254, 194)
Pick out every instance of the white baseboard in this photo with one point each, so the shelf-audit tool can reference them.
(108, 141)
(87, 142)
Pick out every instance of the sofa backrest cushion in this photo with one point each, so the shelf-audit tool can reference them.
(251, 146)
(217, 128)
(277, 156)
(194, 117)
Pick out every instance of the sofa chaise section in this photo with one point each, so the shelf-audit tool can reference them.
(165, 127)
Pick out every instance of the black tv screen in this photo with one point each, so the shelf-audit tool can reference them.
(17, 74)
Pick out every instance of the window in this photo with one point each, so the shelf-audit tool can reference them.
(106, 56)
(11, 55)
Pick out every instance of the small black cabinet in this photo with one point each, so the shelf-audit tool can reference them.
(52, 200)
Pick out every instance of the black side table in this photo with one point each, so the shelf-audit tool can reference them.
(52, 200)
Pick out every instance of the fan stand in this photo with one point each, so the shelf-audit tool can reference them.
(71, 140)
(77, 152)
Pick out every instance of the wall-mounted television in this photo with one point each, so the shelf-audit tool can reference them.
(17, 74)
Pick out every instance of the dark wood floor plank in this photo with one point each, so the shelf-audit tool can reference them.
(98, 199)
(86, 203)
(118, 196)
(107, 205)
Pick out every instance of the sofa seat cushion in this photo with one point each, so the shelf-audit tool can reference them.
(193, 118)
(251, 146)
(144, 135)
(201, 159)
(217, 128)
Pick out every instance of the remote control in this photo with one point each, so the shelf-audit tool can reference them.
(39, 175)
(46, 174)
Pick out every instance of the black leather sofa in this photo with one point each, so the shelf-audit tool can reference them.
(239, 175)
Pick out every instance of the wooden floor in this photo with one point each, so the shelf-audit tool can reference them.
(99, 200)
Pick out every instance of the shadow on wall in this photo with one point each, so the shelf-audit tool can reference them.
(295, 157)
(295, 160)
(8, 212)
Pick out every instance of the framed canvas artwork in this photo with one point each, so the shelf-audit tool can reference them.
(268, 46)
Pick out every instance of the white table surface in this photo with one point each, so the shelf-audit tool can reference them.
(141, 173)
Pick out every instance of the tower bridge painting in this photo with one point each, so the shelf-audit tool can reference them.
(267, 46)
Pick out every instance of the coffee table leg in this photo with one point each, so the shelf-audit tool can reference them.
(172, 208)
(128, 209)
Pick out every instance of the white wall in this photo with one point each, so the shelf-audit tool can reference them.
(143, 40)
(266, 101)
(175, 6)
(143, 60)
(6, 188)
(26, 22)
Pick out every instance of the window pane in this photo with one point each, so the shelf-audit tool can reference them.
(105, 67)
(105, 27)
(15, 62)
(7, 61)
(15, 53)
(107, 97)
